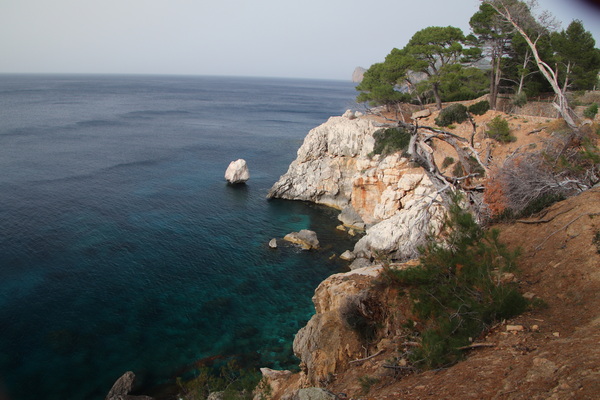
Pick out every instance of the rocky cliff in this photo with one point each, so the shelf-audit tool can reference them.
(395, 200)
(347, 346)
(550, 352)
(358, 74)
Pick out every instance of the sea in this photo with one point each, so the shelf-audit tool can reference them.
(123, 248)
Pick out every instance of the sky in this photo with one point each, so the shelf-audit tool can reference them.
(319, 39)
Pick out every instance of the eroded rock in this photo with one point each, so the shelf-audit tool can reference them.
(307, 239)
(237, 172)
(122, 386)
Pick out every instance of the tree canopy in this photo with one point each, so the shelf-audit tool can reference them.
(577, 57)
(442, 64)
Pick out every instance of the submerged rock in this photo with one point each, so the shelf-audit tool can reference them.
(237, 172)
(273, 243)
(305, 238)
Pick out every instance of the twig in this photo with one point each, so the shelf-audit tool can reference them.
(543, 221)
(366, 358)
(477, 345)
(535, 131)
(539, 246)
(399, 367)
(412, 344)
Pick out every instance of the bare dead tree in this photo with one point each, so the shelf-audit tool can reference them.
(421, 151)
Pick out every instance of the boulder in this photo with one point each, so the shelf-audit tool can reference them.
(359, 263)
(273, 243)
(347, 256)
(349, 114)
(421, 114)
(305, 238)
(121, 388)
(350, 218)
(237, 172)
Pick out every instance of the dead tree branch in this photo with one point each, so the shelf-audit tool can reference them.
(477, 346)
(366, 358)
(539, 246)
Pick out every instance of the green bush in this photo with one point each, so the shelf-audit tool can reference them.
(391, 140)
(499, 130)
(456, 290)
(448, 161)
(366, 382)
(591, 111)
(453, 113)
(519, 100)
(479, 108)
(540, 203)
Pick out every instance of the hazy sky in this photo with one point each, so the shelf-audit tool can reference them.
(323, 39)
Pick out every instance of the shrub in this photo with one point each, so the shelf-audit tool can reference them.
(447, 162)
(479, 108)
(453, 113)
(499, 130)
(360, 313)
(391, 140)
(519, 100)
(539, 203)
(456, 290)
(472, 166)
(366, 382)
(591, 111)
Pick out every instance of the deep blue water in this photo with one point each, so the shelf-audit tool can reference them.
(121, 245)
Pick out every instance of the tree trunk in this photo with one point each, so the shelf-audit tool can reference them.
(494, 82)
(436, 94)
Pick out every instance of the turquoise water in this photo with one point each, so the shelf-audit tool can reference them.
(122, 247)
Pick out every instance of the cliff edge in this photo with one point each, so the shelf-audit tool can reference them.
(395, 201)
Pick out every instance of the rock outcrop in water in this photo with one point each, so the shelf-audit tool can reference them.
(352, 313)
(305, 239)
(122, 387)
(237, 172)
(395, 200)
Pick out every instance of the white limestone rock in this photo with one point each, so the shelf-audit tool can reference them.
(347, 256)
(351, 219)
(326, 163)
(237, 172)
(401, 234)
(305, 238)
